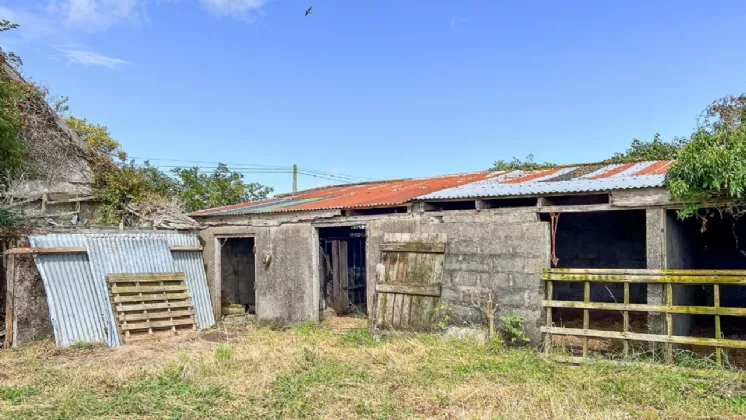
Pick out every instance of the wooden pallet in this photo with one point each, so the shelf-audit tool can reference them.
(151, 305)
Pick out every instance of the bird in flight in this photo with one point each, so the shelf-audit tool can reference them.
(308, 11)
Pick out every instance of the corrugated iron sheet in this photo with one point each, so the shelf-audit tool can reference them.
(373, 194)
(72, 295)
(575, 179)
(125, 253)
(192, 264)
(76, 284)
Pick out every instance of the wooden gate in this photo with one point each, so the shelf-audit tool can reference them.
(667, 278)
(409, 280)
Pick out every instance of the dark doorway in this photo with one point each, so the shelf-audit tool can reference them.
(342, 269)
(710, 241)
(599, 240)
(237, 263)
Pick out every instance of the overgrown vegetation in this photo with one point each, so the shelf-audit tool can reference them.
(512, 330)
(711, 166)
(528, 164)
(656, 149)
(12, 93)
(320, 373)
(119, 183)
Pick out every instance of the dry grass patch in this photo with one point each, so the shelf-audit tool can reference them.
(338, 371)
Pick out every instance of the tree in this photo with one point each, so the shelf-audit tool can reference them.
(655, 149)
(9, 56)
(12, 94)
(517, 164)
(222, 187)
(711, 167)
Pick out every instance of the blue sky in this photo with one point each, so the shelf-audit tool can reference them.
(381, 89)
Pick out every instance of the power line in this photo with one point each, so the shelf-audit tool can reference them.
(245, 168)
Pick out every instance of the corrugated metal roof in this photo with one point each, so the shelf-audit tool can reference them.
(568, 179)
(76, 285)
(373, 194)
(573, 179)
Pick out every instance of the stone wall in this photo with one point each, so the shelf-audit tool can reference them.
(26, 301)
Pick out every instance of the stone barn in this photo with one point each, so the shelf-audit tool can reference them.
(400, 251)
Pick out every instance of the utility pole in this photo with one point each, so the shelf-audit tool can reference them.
(295, 179)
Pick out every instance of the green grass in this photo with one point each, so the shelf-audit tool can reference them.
(310, 371)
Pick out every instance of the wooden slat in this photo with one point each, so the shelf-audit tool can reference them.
(149, 298)
(157, 324)
(640, 307)
(37, 251)
(625, 321)
(417, 247)
(143, 277)
(116, 289)
(716, 304)
(410, 289)
(185, 248)
(134, 338)
(645, 278)
(697, 341)
(152, 306)
(647, 271)
(155, 315)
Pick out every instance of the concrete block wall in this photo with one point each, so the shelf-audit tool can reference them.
(287, 289)
(500, 253)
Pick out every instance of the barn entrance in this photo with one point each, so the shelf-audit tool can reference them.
(237, 274)
(342, 269)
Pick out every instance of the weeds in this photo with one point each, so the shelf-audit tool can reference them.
(309, 372)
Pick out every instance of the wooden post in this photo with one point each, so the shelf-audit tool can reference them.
(625, 315)
(548, 337)
(295, 179)
(586, 319)
(716, 293)
(10, 284)
(669, 322)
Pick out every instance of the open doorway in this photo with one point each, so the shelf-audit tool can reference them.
(237, 274)
(342, 269)
(599, 240)
(710, 241)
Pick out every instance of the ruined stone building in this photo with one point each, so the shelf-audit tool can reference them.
(464, 237)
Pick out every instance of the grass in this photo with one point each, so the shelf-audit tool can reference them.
(312, 371)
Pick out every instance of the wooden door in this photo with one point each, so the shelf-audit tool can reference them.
(409, 280)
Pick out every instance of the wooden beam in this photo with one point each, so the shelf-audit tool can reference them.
(647, 276)
(410, 289)
(697, 341)
(185, 248)
(640, 198)
(143, 277)
(422, 247)
(72, 200)
(641, 307)
(54, 250)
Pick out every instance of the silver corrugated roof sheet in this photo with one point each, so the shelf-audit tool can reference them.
(192, 265)
(73, 298)
(76, 283)
(576, 179)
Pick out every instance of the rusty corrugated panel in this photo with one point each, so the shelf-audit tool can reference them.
(371, 194)
(607, 178)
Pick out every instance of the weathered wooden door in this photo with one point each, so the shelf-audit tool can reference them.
(409, 280)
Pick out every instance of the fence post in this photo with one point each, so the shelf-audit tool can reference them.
(669, 322)
(586, 320)
(548, 337)
(625, 325)
(716, 301)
